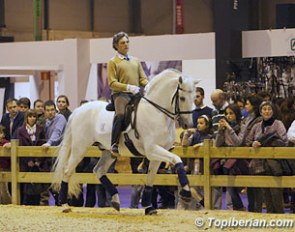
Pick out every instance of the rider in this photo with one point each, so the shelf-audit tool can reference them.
(125, 75)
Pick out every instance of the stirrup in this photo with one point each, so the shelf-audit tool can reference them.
(115, 151)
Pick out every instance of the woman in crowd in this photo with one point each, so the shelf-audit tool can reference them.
(31, 134)
(252, 107)
(227, 126)
(273, 196)
(62, 103)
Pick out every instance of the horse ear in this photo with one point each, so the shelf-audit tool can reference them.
(180, 80)
(197, 82)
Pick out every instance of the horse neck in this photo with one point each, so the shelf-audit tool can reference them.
(162, 94)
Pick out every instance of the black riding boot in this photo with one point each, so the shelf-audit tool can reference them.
(116, 132)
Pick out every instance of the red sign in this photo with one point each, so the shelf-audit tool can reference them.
(179, 17)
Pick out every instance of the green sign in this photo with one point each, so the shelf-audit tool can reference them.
(37, 20)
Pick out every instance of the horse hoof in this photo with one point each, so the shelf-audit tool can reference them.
(150, 211)
(116, 206)
(185, 195)
(115, 202)
(66, 208)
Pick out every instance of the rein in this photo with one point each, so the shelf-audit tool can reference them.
(177, 111)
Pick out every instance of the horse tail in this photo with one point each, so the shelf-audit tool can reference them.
(64, 152)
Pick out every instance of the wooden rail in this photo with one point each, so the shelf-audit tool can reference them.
(206, 180)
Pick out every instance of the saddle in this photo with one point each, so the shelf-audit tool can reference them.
(130, 108)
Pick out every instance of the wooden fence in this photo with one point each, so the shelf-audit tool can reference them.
(206, 180)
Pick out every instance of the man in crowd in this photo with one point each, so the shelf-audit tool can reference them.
(201, 108)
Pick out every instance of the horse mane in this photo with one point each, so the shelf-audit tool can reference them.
(165, 75)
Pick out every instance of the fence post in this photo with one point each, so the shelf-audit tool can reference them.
(15, 187)
(207, 187)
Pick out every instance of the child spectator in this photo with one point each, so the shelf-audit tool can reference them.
(196, 138)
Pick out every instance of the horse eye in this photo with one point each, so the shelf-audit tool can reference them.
(182, 98)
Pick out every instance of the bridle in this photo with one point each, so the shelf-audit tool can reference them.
(177, 112)
(173, 115)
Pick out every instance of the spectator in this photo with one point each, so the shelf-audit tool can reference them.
(12, 120)
(24, 104)
(291, 138)
(252, 106)
(62, 105)
(39, 107)
(54, 128)
(240, 101)
(5, 197)
(219, 101)
(196, 139)
(227, 126)
(201, 108)
(273, 196)
(31, 134)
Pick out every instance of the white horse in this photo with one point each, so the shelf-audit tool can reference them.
(169, 97)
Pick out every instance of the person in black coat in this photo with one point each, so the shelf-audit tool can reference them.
(12, 120)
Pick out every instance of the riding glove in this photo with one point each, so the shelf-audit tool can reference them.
(133, 89)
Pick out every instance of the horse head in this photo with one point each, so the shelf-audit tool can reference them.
(173, 94)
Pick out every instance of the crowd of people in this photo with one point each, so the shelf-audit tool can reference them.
(255, 120)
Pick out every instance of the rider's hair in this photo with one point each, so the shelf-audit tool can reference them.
(117, 37)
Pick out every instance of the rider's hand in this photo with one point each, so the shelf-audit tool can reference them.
(133, 89)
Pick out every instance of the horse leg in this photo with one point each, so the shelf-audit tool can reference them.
(101, 169)
(71, 165)
(159, 153)
(146, 200)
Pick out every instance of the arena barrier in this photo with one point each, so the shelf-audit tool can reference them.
(206, 180)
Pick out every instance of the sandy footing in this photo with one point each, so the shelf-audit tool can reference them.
(50, 218)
